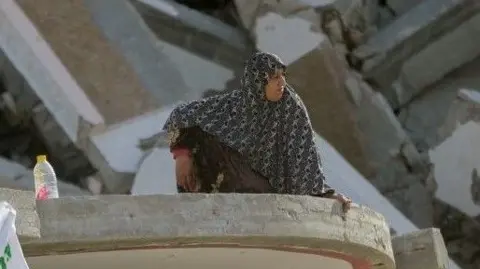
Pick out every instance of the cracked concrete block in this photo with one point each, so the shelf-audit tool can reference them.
(283, 223)
(107, 80)
(385, 53)
(432, 117)
(27, 222)
(424, 249)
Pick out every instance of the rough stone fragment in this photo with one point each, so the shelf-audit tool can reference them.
(385, 53)
(131, 36)
(423, 249)
(412, 80)
(27, 221)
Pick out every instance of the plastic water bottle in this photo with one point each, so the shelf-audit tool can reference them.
(45, 179)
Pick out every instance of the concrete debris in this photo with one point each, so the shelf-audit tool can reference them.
(423, 33)
(16, 176)
(424, 249)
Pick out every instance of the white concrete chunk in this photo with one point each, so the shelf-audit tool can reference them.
(455, 160)
(272, 31)
(156, 174)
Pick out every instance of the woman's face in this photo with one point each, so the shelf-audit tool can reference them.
(275, 86)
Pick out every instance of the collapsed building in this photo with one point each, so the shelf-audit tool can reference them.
(392, 86)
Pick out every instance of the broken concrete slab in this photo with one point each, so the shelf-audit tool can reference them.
(425, 118)
(129, 33)
(27, 222)
(423, 249)
(16, 176)
(196, 32)
(99, 68)
(202, 220)
(455, 179)
(385, 53)
(158, 161)
(400, 170)
(412, 81)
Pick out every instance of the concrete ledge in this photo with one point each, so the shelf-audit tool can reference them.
(27, 222)
(287, 223)
(424, 249)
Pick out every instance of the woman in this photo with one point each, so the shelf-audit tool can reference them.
(257, 139)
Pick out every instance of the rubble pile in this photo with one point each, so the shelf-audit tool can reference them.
(392, 85)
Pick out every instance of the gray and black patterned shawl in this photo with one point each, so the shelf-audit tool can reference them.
(276, 137)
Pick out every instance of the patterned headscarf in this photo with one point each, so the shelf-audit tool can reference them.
(276, 138)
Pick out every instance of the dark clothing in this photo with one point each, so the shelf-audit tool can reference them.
(275, 139)
(219, 168)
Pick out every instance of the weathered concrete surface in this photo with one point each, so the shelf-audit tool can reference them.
(423, 249)
(123, 26)
(99, 68)
(196, 32)
(268, 221)
(400, 170)
(432, 117)
(201, 35)
(385, 53)
(27, 221)
(412, 81)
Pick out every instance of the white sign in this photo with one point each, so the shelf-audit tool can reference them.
(11, 254)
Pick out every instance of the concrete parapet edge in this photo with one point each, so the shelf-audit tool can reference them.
(27, 222)
(269, 221)
(424, 249)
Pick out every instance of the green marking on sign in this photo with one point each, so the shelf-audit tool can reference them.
(6, 257)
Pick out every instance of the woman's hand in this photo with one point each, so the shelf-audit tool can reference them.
(184, 173)
(346, 202)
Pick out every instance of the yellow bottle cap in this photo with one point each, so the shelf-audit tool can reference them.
(41, 158)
